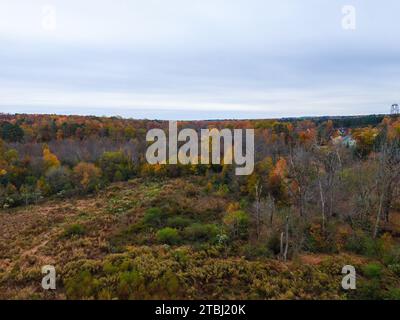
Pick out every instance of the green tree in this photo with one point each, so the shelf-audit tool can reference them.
(10, 132)
(59, 179)
(237, 223)
(116, 166)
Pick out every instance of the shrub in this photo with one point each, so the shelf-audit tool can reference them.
(393, 294)
(129, 283)
(154, 217)
(190, 190)
(201, 232)
(9, 196)
(256, 251)
(274, 244)
(318, 241)
(395, 268)
(74, 230)
(178, 222)
(221, 238)
(368, 290)
(109, 268)
(169, 236)
(372, 270)
(363, 244)
(181, 256)
(80, 286)
(355, 243)
(223, 190)
(392, 256)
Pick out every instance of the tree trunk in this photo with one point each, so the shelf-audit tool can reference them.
(258, 190)
(272, 212)
(322, 205)
(286, 239)
(378, 217)
(387, 203)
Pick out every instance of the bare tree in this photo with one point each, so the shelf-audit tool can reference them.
(301, 172)
(270, 203)
(387, 179)
(257, 207)
(322, 204)
(285, 252)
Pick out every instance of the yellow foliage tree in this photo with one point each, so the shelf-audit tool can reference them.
(50, 159)
(365, 138)
(87, 175)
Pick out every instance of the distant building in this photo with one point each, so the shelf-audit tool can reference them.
(343, 131)
(346, 141)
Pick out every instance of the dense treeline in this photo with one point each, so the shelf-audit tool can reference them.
(45, 155)
(344, 121)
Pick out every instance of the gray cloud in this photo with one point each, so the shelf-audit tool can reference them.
(208, 59)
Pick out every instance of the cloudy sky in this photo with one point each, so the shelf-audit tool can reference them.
(199, 59)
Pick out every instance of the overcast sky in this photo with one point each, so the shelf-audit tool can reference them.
(199, 59)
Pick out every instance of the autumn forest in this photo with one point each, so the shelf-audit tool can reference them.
(76, 192)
